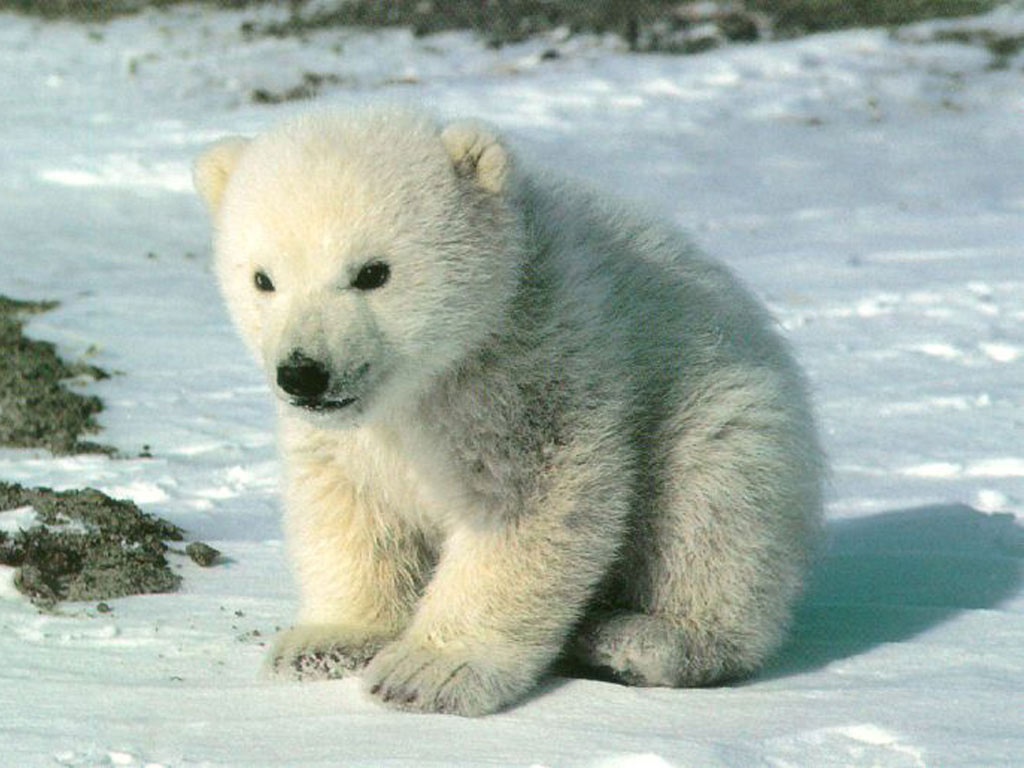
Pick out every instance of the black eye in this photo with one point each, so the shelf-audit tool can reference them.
(263, 283)
(372, 276)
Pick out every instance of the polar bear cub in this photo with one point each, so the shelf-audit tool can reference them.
(521, 425)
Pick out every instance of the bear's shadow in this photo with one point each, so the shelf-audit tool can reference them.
(889, 577)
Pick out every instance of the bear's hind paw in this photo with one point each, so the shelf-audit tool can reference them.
(646, 650)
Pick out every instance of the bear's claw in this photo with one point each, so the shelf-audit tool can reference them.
(423, 679)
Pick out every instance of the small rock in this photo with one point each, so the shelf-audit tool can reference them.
(202, 554)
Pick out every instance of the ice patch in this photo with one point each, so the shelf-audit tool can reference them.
(139, 492)
(24, 518)
(998, 467)
(51, 631)
(124, 171)
(938, 349)
(923, 256)
(934, 469)
(981, 290)
(20, 519)
(219, 493)
(115, 758)
(198, 449)
(1000, 353)
(847, 746)
(874, 307)
(634, 761)
(990, 500)
(960, 403)
(7, 589)
(11, 522)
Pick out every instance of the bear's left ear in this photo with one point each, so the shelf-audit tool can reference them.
(477, 154)
(213, 169)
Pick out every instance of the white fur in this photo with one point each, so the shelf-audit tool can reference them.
(568, 435)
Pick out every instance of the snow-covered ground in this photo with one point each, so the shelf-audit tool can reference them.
(870, 187)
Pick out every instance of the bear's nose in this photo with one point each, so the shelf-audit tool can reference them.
(302, 376)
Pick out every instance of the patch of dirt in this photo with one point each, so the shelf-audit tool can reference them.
(792, 18)
(103, 10)
(309, 87)
(646, 25)
(84, 545)
(79, 544)
(665, 26)
(37, 410)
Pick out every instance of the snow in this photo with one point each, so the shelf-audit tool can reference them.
(19, 519)
(868, 185)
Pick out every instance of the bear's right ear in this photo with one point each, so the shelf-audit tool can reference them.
(477, 154)
(214, 167)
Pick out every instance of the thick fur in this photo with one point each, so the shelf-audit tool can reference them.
(565, 435)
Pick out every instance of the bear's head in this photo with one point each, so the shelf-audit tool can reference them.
(362, 255)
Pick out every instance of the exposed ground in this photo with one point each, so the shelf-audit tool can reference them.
(647, 25)
(82, 545)
(77, 544)
(38, 408)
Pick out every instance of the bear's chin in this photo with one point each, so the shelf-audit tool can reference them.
(339, 414)
(323, 406)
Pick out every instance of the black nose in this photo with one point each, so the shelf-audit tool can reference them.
(302, 376)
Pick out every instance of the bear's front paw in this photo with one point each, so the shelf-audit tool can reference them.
(321, 652)
(420, 678)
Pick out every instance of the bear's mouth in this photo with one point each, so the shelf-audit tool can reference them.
(319, 405)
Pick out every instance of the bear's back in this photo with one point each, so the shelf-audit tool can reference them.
(640, 293)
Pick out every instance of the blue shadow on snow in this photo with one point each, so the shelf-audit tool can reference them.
(889, 577)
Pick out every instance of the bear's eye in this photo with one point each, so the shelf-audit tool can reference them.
(263, 282)
(372, 276)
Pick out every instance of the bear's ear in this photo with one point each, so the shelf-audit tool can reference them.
(213, 169)
(477, 154)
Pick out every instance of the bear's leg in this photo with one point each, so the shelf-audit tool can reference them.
(647, 650)
(494, 617)
(718, 548)
(632, 648)
(360, 572)
(504, 599)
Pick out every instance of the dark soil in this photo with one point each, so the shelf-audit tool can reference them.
(796, 17)
(647, 25)
(202, 554)
(663, 26)
(85, 546)
(37, 409)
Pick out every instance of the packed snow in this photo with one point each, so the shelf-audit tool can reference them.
(868, 184)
